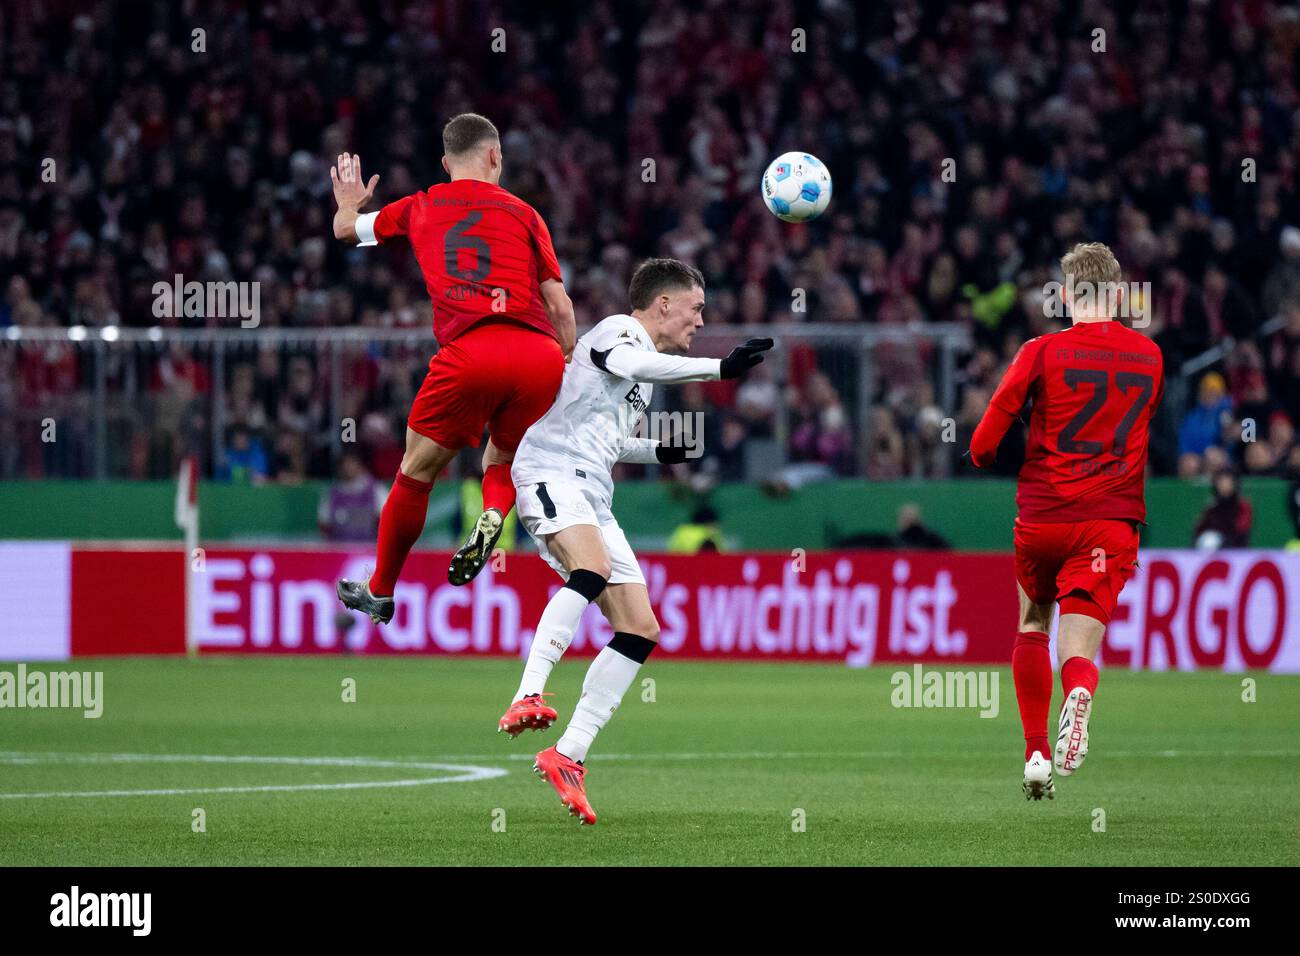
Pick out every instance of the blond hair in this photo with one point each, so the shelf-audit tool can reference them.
(1091, 262)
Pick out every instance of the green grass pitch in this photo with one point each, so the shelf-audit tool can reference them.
(718, 769)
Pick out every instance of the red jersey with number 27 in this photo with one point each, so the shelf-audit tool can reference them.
(484, 253)
(1094, 388)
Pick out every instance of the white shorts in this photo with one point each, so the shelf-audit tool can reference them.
(549, 506)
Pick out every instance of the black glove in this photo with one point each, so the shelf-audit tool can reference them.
(670, 454)
(744, 357)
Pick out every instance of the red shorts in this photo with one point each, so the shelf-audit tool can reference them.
(1065, 561)
(497, 375)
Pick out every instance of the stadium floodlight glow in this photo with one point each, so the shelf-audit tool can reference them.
(14, 333)
(77, 333)
(109, 333)
(155, 333)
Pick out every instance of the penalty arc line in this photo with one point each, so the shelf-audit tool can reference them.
(460, 773)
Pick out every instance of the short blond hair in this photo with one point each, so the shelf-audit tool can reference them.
(1091, 262)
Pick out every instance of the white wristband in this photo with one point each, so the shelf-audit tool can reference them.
(365, 228)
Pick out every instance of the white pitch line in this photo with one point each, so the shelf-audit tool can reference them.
(872, 755)
(408, 761)
(55, 756)
(460, 773)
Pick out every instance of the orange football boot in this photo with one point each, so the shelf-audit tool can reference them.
(565, 776)
(529, 712)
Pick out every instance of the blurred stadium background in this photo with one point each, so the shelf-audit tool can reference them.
(134, 150)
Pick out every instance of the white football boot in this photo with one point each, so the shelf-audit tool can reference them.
(1038, 778)
(1072, 733)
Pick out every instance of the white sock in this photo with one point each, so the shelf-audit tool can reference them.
(554, 633)
(607, 680)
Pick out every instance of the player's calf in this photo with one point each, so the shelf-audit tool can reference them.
(607, 680)
(560, 619)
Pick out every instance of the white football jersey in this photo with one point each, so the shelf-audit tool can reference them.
(591, 425)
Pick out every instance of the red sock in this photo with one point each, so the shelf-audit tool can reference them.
(1079, 672)
(498, 488)
(1031, 668)
(400, 525)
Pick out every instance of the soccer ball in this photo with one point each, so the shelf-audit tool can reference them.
(797, 187)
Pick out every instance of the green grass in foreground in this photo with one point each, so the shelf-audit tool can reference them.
(712, 772)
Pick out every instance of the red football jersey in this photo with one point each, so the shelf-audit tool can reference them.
(483, 251)
(1094, 388)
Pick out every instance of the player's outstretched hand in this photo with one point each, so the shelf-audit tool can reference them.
(744, 357)
(349, 192)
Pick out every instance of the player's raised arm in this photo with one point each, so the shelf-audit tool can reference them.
(351, 196)
(559, 309)
(655, 368)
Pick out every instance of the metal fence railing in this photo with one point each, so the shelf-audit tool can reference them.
(131, 402)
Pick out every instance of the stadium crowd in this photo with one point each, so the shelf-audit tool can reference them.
(971, 146)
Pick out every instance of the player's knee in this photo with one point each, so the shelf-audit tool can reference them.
(588, 582)
(423, 458)
(413, 467)
(492, 455)
(1036, 617)
(600, 566)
